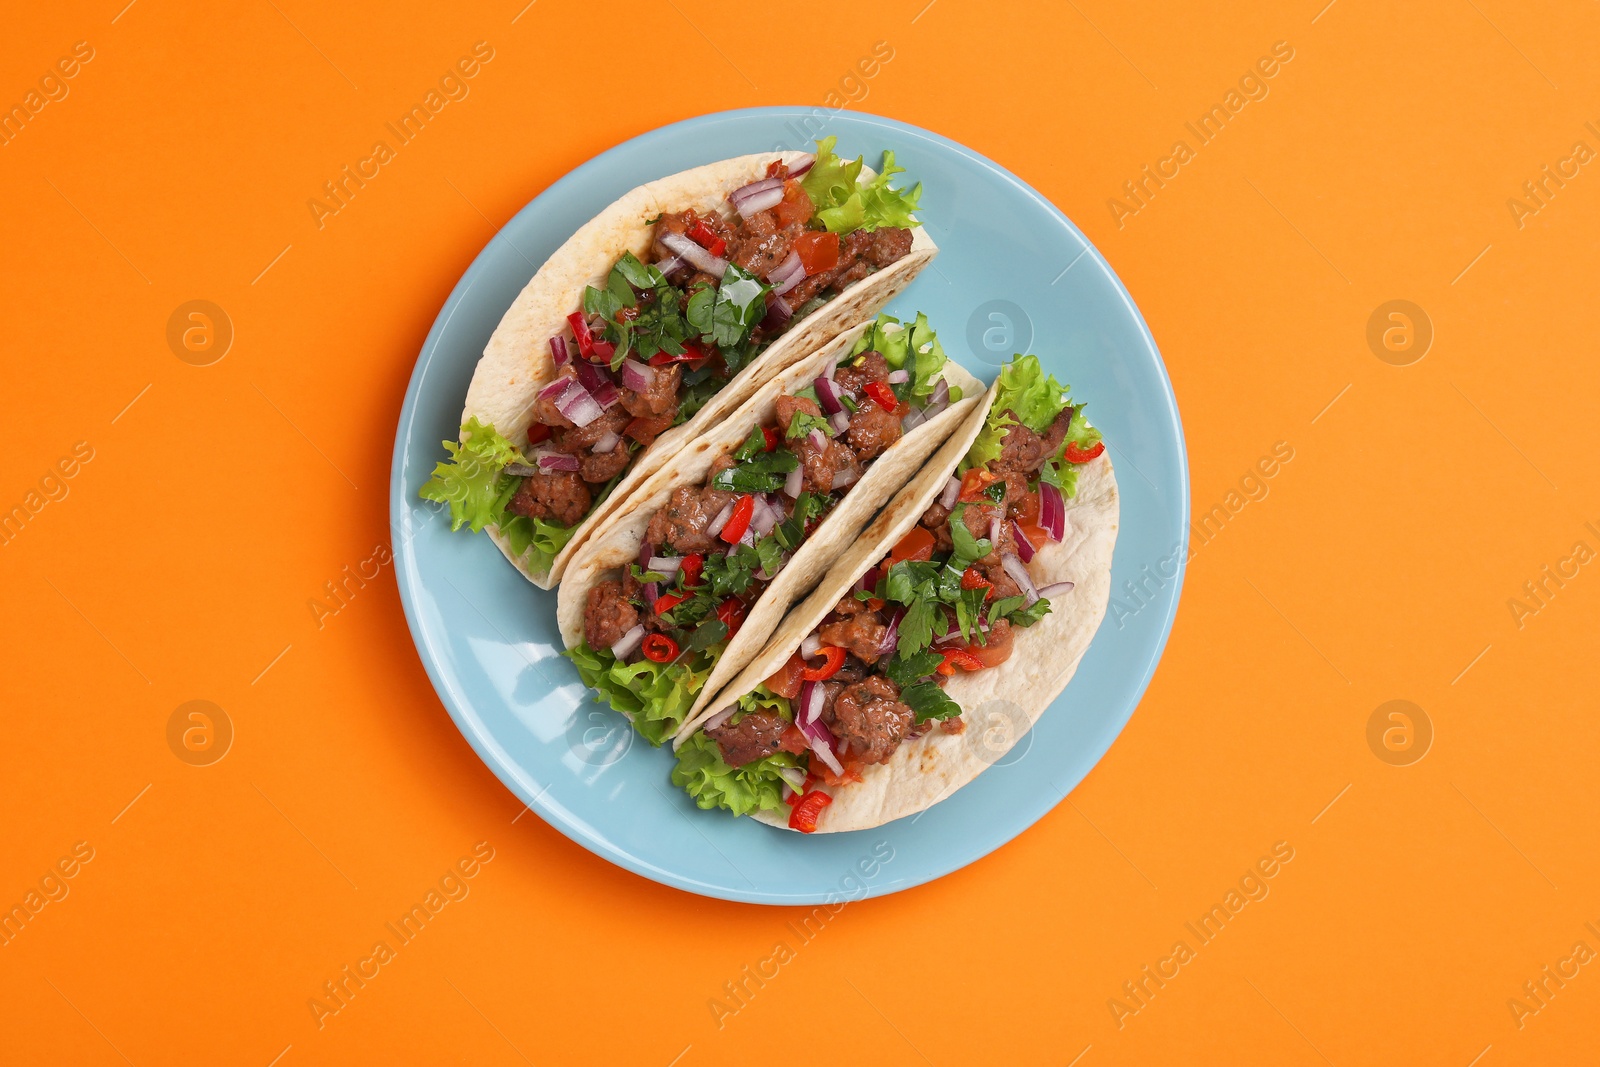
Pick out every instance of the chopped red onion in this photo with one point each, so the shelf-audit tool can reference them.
(721, 520)
(810, 646)
(637, 376)
(1019, 574)
(792, 484)
(1025, 547)
(994, 531)
(952, 489)
(698, 257)
(608, 443)
(646, 551)
(913, 419)
(763, 518)
(899, 377)
(1052, 511)
(820, 740)
(558, 350)
(606, 396)
(667, 565)
(721, 717)
(827, 396)
(577, 405)
(757, 196)
(810, 706)
(1055, 589)
(788, 274)
(651, 593)
(845, 477)
(840, 421)
(555, 388)
(749, 537)
(556, 461)
(669, 266)
(891, 636)
(810, 161)
(818, 439)
(778, 314)
(939, 400)
(592, 376)
(794, 780)
(628, 643)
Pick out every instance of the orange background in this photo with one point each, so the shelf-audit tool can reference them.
(180, 563)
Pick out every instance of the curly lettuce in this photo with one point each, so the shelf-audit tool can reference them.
(656, 696)
(1035, 398)
(914, 347)
(473, 483)
(756, 786)
(844, 206)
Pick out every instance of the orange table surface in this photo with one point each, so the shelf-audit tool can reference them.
(174, 518)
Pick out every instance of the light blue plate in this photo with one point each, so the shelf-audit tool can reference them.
(1013, 274)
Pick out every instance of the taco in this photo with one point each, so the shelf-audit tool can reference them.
(694, 574)
(655, 321)
(940, 636)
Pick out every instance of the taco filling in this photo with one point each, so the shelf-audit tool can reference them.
(949, 596)
(666, 332)
(653, 633)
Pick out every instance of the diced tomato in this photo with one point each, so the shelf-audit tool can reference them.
(690, 568)
(786, 680)
(1036, 535)
(810, 783)
(1029, 515)
(770, 433)
(626, 314)
(774, 167)
(974, 482)
(917, 545)
(659, 648)
(1082, 455)
(971, 579)
(819, 251)
(883, 395)
(537, 432)
(795, 206)
(990, 655)
(731, 612)
(666, 602)
(832, 660)
(804, 815)
(739, 521)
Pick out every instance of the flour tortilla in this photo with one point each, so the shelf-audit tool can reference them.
(999, 705)
(516, 363)
(617, 545)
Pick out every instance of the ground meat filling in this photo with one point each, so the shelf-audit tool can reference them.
(790, 406)
(755, 735)
(646, 429)
(860, 254)
(868, 720)
(859, 635)
(560, 496)
(823, 463)
(607, 615)
(872, 430)
(660, 398)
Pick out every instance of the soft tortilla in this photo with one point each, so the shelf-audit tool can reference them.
(618, 543)
(999, 705)
(516, 363)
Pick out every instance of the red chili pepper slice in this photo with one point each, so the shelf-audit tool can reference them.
(971, 579)
(666, 602)
(804, 815)
(731, 612)
(691, 352)
(739, 521)
(1079, 455)
(883, 395)
(832, 660)
(771, 435)
(974, 482)
(707, 239)
(690, 568)
(659, 648)
(580, 330)
(954, 658)
(537, 432)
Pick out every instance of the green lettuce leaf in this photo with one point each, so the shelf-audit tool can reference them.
(471, 482)
(843, 206)
(1036, 398)
(713, 784)
(656, 696)
(916, 344)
